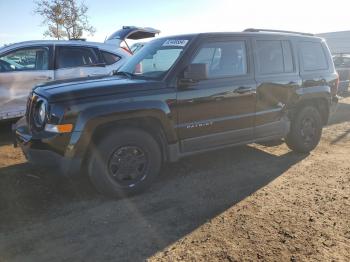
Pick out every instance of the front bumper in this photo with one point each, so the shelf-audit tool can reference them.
(39, 153)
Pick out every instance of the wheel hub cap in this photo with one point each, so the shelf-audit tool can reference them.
(127, 165)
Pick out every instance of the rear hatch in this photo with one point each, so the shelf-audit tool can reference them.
(131, 33)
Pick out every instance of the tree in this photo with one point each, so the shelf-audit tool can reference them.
(64, 18)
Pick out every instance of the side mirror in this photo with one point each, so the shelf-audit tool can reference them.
(196, 72)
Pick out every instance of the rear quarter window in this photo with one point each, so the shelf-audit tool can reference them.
(110, 58)
(313, 56)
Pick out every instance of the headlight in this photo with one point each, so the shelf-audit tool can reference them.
(40, 113)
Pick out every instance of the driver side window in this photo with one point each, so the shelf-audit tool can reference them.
(224, 59)
(25, 59)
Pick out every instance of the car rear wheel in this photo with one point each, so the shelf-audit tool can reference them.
(125, 162)
(306, 130)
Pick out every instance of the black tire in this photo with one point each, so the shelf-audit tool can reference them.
(306, 130)
(125, 162)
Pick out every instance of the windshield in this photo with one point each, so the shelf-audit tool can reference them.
(155, 59)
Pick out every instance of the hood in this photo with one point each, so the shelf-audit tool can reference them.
(74, 89)
(131, 32)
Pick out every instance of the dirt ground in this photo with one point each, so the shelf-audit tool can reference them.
(242, 204)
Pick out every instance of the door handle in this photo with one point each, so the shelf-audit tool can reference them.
(243, 90)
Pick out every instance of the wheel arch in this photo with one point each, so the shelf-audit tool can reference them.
(316, 96)
(320, 101)
(148, 124)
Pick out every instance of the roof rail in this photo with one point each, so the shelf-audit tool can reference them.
(276, 31)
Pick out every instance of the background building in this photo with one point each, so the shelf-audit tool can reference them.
(338, 42)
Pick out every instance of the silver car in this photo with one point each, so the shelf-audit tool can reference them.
(26, 64)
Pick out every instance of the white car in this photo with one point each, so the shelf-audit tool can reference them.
(26, 64)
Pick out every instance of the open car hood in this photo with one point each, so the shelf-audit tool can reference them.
(131, 32)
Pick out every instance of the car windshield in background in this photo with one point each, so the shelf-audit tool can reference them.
(155, 59)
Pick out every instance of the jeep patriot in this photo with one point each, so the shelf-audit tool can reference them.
(179, 96)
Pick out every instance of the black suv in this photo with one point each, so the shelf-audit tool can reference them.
(180, 96)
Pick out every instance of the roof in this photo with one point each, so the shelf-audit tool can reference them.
(262, 33)
(114, 47)
(60, 42)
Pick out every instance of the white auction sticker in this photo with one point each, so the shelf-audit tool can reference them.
(181, 43)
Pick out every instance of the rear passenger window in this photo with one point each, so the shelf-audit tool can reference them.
(76, 57)
(274, 56)
(313, 56)
(109, 58)
(224, 59)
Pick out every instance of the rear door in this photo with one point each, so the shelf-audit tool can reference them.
(277, 77)
(220, 110)
(20, 70)
(78, 61)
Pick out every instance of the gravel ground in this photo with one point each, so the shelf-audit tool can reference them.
(242, 204)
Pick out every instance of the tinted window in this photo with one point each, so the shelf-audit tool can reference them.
(75, 57)
(270, 57)
(25, 59)
(313, 56)
(223, 58)
(275, 56)
(109, 58)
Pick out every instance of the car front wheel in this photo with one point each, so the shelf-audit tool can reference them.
(125, 162)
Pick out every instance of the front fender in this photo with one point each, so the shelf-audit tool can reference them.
(92, 118)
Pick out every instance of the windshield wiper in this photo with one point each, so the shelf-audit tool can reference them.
(123, 73)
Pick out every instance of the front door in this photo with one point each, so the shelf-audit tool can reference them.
(20, 71)
(218, 111)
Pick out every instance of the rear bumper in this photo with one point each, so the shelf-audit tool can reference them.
(38, 154)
